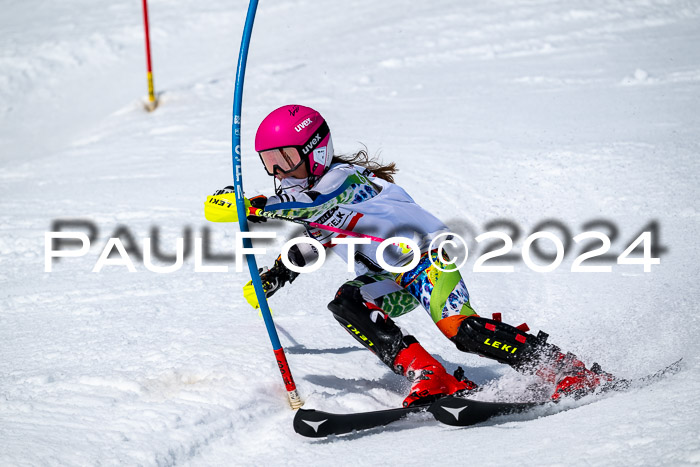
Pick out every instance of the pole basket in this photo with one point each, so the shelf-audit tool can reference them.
(294, 399)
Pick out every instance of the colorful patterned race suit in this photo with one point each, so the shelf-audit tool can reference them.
(351, 197)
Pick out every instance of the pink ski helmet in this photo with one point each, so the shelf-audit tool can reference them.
(293, 135)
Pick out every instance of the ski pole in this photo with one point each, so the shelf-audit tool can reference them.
(152, 102)
(271, 215)
(292, 394)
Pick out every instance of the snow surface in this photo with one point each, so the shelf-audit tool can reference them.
(519, 110)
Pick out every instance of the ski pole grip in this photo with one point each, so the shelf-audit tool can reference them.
(253, 211)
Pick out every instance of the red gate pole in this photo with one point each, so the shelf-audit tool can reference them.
(152, 102)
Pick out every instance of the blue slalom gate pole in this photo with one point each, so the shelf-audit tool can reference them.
(294, 399)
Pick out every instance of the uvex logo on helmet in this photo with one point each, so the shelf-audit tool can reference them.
(311, 144)
(302, 125)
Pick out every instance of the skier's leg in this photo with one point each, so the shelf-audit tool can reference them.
(531, 354)
(443, 293)
(367, 322)
(359, 314)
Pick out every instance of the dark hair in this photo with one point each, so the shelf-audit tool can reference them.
(362, 158)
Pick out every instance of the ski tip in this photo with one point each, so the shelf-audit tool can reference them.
(310, 423)
(670, 369)
(673, 368)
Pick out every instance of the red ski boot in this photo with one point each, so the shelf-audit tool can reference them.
(575, 380)
(429, 378)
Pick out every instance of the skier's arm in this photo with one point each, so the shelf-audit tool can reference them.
(342, 185)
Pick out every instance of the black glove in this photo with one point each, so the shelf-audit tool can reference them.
(258, 202)
(274, 278)
(224, 190)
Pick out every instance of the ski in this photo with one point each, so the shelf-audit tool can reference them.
(318, 424)
(459, 411)
(449, 410)
(671, 369)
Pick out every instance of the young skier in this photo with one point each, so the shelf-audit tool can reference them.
(358, 194)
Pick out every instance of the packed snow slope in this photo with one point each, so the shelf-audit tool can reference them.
(584, 113)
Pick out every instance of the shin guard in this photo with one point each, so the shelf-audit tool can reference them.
(368, 324)
(503, 342)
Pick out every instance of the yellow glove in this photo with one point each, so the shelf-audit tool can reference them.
(222, 207)
(249, 294)
(271, 283)
(251, 298)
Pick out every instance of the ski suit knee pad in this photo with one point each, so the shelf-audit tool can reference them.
(368, 324)
(502, 342)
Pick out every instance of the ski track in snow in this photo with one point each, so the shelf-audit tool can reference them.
(524, 111)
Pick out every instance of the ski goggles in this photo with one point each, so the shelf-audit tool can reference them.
(282, 160)
(289, 158)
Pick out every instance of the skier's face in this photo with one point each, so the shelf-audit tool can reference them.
(300, 172)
